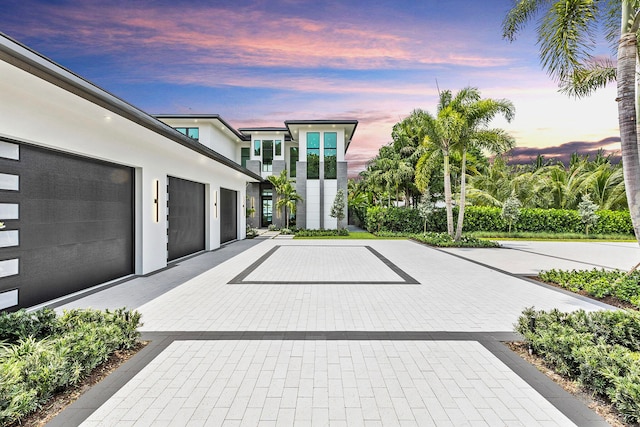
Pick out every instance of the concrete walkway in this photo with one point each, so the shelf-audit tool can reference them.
(333, 332)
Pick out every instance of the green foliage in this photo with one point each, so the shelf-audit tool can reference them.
(316, 233)
(511, 211)
(600, 349)
(598, 283)
(487, 218)
(444, 240)
(337, 209)
(36, 365)
(21, 324)
(587, 211)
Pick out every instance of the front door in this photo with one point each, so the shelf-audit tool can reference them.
(267, 207)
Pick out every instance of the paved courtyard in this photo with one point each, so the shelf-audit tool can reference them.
(336, 332)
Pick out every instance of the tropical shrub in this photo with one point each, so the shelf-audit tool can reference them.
(444, 240)
(51, 352)
(598, 283)
(320, 233)
(599, 349)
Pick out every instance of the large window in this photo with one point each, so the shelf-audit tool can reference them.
(278, 147)
(313, 155)
(245, 154)
(193, 133)
(267, 155)
(293, 159)
(256, 148)
(330, 155)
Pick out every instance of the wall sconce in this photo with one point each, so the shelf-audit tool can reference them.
(156, 201)
(215, 203)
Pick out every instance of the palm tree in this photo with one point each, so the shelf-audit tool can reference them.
(287, 196)
(477, 113)
(443, 131)
(566, 38)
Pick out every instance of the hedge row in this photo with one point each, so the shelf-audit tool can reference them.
(481, 218)
(600, 349)
(41, 353)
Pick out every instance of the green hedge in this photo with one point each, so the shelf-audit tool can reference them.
(600, 349)
(598, 283)
(45, 353)
(483, 218)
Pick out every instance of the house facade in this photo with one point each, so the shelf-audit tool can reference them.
(94, 190)
(312, 152)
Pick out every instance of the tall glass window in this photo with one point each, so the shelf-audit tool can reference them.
(330, 155)
(256, 148)
(293, 158)
(313, 155)
(267, 155)
(245, 155)
(278, 147)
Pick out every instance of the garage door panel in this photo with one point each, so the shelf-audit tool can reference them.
(75, 226)
(186, 217)
(228, 215)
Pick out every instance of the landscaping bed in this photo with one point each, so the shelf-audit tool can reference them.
(600, 350)
(42, 353)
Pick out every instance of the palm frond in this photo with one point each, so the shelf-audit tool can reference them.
(583, 81)
(521, 13)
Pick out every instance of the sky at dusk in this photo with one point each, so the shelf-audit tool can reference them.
(259, 63)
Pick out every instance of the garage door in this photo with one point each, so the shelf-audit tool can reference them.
(228, 215)
(186, 216)
(69, 224)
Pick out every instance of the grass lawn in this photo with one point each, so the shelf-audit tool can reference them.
(552, 236)
(353, 235)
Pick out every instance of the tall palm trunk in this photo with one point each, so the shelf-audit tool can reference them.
(463, 185)
(626, 77)
(447, 192)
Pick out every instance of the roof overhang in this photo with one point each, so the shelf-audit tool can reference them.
(30, 61)
(349, 127)
(270, 130)
(196, 118)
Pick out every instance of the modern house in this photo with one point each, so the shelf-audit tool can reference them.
(311, 151)
(93, 190)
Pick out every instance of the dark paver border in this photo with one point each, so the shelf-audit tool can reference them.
(240, 278)
(99, 394)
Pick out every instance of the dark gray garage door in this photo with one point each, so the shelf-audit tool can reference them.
(228, 215)
(73, 223)
(186, 217)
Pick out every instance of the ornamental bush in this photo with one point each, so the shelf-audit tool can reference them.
(599, 349)
(49, 353)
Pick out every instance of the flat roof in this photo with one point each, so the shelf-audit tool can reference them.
(349, 126)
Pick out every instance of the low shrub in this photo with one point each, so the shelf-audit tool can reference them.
(598, 283)
(599, 349)
(34, 366)
(443, 240)
(21, 324)
(319, 233)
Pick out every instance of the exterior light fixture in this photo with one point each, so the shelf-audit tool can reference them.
(215, 203)
(156, 201)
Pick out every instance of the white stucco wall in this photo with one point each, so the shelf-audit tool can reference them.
(37, 112)
(330, 190)
(212, 134)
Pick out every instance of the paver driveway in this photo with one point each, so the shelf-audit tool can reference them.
(337, 332)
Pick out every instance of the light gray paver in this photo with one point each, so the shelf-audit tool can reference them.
(348, 381)
(454, 295)
(410, 401)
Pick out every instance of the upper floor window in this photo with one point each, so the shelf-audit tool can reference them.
(278, 147)
(245, 154)
(193, 133)
(267, 155)
(330, 155)
(313, 155)
(256, 148)
(293, 159)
